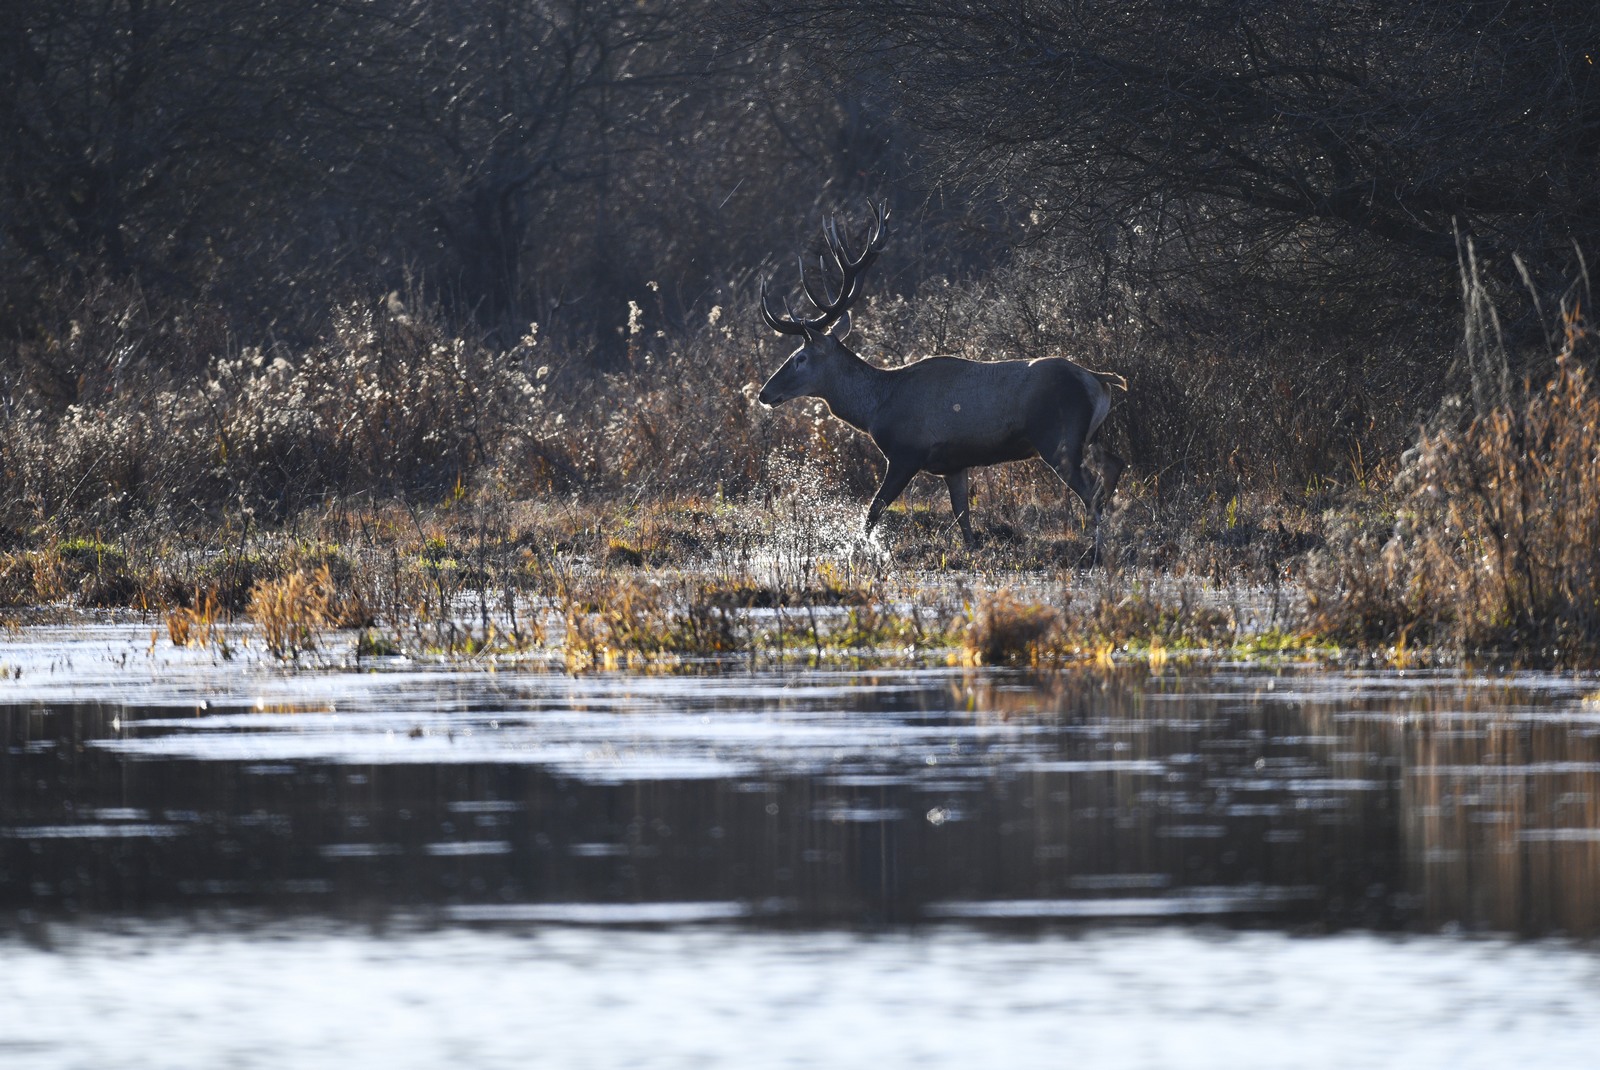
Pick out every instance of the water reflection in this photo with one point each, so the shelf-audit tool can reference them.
(1503, 822)
(1298, 799)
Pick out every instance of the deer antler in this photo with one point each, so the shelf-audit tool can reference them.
(851, 269)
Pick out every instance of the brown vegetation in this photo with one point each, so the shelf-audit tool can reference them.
(291, 611)
(1496, 529)
(501, 342)
(1005, 630)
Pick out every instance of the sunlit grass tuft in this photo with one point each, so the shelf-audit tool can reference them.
(1004, 630)
(291, 612)
(625, 621)
(195, 625)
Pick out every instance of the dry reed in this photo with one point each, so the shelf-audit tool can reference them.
(1498, 532)
(292, 611)
(197, 624)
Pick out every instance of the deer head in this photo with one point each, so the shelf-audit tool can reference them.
(815, 363)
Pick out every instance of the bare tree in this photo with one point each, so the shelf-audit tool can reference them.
(1325, 146)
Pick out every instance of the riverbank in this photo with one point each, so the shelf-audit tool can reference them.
(613, 583)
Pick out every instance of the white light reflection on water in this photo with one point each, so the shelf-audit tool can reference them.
(708, 997)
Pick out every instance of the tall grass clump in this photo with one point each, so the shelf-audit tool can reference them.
(195, 625)
(1497, 536)
(1005, 630)
(292, 611)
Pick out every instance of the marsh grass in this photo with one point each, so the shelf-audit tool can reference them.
(1495, 537)
(291, 612)
(86, 571)
(1006, 630)
(480, 577)
(197, 624)
(623, 621)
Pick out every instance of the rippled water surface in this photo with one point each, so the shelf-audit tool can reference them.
(911, 867)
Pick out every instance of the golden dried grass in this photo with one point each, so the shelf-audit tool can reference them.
(291, 611)
(195, 625)
(1496, 545)
(1005, 630)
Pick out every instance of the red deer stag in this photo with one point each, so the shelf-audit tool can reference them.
(943, 415)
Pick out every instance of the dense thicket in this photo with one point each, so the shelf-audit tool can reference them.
(518, 158)
(1253, 209)
(1325, 150)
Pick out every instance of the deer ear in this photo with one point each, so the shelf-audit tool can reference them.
(841, 330)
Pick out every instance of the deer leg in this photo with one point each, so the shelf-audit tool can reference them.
(1088, 488)
(1062, 446)
(960, 499)
(1082, 482)
(1065, 457)
(895, 481)
(1111, 467)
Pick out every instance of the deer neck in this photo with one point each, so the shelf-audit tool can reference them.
(856, 391)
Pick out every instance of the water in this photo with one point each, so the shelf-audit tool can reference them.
(217, 863)
(571, 997)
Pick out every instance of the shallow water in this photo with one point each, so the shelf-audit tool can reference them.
(925, 848)
(697, 997)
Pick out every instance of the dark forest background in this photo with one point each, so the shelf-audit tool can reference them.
(256, 254)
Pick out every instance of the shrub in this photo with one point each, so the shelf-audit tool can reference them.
(1498, 530)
